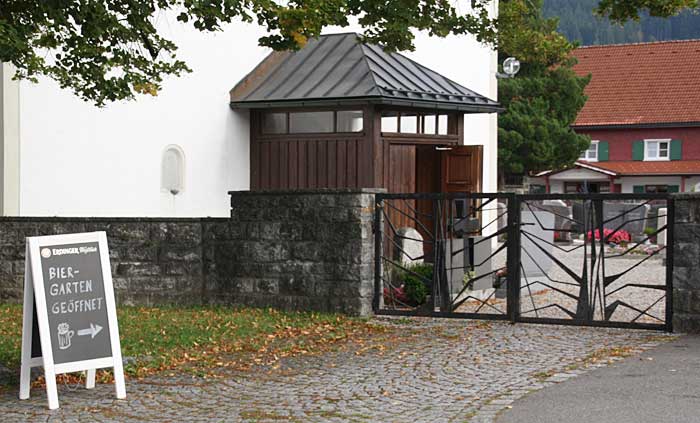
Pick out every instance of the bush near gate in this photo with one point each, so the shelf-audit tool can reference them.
(417, 284)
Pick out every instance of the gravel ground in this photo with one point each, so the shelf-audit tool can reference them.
(429, 371)
(538, 300)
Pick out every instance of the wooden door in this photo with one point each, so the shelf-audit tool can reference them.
(461, 169)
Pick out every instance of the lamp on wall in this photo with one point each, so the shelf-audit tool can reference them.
(511, 66)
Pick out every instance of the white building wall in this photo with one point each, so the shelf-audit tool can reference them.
(628, 182)
(78, 160)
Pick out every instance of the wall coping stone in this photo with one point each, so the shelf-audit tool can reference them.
(686, 196)
(62, 219)
(318, 191)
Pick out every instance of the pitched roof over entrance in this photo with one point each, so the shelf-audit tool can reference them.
(338, 69)
(640, 84)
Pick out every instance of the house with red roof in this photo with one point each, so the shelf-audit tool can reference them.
(643, 116)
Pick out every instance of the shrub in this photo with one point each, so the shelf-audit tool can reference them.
(415, 287)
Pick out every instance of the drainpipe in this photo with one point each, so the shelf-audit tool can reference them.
(546, 184)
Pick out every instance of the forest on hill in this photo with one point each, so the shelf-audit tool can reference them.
(578, 22)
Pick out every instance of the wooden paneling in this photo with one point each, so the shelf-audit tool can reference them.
(304, 164)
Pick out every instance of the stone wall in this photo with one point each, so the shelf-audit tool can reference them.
(301, 250)
(304, 250)
(154, 261)
(686, 264)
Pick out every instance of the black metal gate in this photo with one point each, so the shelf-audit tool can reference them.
(579, 259)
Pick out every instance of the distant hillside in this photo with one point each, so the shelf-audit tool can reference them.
(578, 23)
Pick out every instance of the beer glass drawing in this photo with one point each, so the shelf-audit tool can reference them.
(64, 336)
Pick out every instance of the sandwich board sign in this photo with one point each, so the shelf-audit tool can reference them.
(69, 315)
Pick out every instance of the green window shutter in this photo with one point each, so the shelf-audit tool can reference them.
(603, 151)
(638, 189)
(638, 150)
(676, 149)
(673, 188)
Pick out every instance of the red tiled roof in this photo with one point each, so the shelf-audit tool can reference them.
(643, 83)
(627, 168)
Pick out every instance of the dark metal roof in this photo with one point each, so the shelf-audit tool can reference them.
(338, 69)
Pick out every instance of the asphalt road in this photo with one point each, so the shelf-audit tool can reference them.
(661, 385)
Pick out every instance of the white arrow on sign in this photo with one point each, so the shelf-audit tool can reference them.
(92, 330)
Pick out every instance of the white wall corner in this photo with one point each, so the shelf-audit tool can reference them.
(9, 142)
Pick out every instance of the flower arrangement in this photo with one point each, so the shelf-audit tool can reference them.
(617, 237)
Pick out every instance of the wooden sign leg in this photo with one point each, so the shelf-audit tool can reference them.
(119, 379)
(27, 328)
(90, 379)
(51, 392)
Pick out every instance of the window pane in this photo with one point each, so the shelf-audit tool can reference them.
(442, 125)
(429, 122)
(663, 149)
(409, 123)
(652, 150)
(274, 123)
(390, 122)
(591, 153)
(349, 121)
(310, 122)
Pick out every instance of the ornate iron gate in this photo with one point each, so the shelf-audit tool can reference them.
(581, 259)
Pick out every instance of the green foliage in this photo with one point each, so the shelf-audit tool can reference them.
(111, 50)
(416, 287)
(201, 339)
(579, 22)
(542, 101)
(623, 10)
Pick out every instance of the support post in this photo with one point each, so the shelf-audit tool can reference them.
(513, 259)
(378, 227)
(670, 245)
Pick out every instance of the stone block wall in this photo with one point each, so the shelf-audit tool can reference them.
(154, 261)
(303, 250)
(299, 250)
(686, 263)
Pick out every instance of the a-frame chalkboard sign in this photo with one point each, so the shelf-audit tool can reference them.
(70, 317)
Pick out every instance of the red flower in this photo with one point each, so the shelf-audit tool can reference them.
(613, 237)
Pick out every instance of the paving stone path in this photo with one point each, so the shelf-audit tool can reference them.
(434, 371)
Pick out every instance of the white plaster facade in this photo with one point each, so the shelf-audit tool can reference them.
(64, 157)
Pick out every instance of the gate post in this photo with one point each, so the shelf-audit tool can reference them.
(378, 228)
(513, 259)
(670, 246)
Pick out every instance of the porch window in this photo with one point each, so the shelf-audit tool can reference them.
(310, 122)
(591, 154)
(415, 123)
(275, 123)
(316, 122)
(656, 150)
(349, 121)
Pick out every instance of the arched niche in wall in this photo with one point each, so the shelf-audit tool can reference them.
(172, 170)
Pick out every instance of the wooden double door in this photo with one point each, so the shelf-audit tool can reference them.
(430, 169)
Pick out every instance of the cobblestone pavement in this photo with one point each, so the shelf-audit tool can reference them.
(433, 371)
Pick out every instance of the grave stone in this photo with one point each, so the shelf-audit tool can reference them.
(410, 246)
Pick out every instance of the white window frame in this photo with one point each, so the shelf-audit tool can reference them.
(657, 158)
(585, 156)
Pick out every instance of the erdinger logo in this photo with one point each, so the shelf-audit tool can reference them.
(46, 252)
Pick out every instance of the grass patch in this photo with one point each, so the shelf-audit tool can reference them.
(202, 340)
